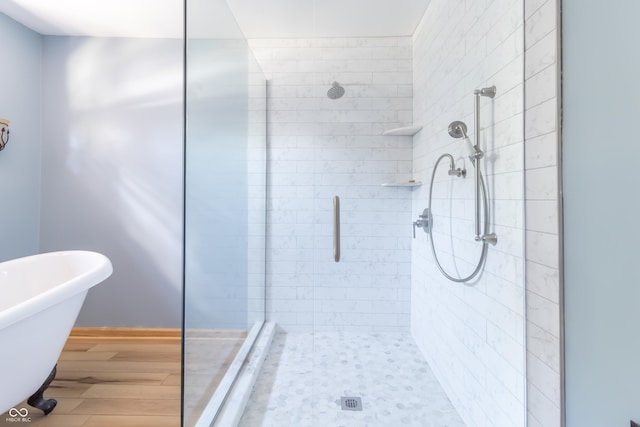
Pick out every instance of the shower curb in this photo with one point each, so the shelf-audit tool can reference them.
(233, 407)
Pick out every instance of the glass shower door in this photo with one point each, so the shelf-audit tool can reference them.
(224, 206)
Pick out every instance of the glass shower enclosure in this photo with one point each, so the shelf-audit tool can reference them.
(386, 285)
(225, 184)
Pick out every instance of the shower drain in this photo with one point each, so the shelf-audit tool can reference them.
(351, 403)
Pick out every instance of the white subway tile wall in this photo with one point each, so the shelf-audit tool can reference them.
(320, 148)
(472, 334)
(542, 199)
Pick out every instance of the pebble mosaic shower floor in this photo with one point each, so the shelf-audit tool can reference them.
(305, 375)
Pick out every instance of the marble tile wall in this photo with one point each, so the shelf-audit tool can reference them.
(319, 148)
(542, 223)
(472, 334)
(299, 79)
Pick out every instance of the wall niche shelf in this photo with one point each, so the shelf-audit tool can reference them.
(403, 131)
(410, 183)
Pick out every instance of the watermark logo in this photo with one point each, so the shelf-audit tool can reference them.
(18, 416)
(22, 412)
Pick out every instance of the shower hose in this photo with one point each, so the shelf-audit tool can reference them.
(483, 255)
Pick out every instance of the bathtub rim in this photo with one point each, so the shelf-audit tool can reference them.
(99, 268)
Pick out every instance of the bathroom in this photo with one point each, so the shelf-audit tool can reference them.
(95, 161)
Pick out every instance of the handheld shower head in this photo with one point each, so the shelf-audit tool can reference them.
(458, 129)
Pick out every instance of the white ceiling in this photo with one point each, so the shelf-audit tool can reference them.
(256, 18)
(103, 18)
(327, 18)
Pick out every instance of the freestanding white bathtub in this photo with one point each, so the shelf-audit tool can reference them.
(40, 298)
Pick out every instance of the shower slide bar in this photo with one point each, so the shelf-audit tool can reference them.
(458, 129)
(489, 92)
(336, 229)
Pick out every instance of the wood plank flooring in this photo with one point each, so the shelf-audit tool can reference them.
(114, 382)
(132, 378)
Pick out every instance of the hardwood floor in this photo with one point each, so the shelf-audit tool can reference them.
(116, 381)
(132, 377)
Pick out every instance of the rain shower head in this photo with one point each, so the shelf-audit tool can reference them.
(336, 91)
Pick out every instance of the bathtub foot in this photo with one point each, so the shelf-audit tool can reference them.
(38, 400)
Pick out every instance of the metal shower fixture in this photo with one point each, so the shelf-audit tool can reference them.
(486, 91)
(480, 236)
(458, 129)
(336, 91)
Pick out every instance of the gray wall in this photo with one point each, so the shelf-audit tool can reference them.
(112, 178)
(20, 102)
(216, 269)
(601, 65)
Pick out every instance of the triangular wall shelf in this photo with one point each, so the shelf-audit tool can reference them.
(403, 184)
(403, 131)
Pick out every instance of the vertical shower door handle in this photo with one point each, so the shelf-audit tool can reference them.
(336, 229)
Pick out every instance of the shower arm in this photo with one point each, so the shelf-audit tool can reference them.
(490, 92)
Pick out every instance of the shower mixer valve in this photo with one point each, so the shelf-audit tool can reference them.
(423, 221)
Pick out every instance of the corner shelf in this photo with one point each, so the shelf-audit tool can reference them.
(403, 131)
(403, 184)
